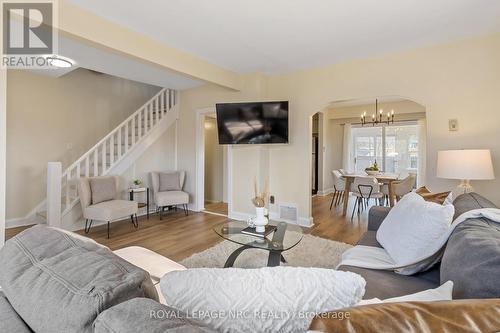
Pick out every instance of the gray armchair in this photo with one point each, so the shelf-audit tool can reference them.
(167, 190)
(100, 199)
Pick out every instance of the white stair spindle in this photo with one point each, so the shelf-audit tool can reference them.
(119, 142)
(96, 163)
(112, 149)
(87, 166)
(133, 130)
(139, 126)
(162, 104)
(157, 109)
(150, 107)
(167, 103)
(68, 182)
(78, 171)
(125, 149)
(103, 157)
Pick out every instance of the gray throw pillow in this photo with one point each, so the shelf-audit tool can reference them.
(102, 189)
(170, 181)
(472, 256)
(58, 282)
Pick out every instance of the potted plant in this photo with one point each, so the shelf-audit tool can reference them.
(373, 170)
(136, 183)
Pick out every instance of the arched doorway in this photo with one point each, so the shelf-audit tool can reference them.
(399, 147)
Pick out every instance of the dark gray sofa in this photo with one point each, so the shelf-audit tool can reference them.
(471, 258)
(54, 281)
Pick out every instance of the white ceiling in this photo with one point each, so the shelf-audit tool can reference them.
(276, 36)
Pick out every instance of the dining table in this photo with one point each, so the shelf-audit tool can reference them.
(383, 178)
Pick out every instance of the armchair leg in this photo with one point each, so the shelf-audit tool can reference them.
(160, 210)
(87, 228)
(185, 209)
(108, 229)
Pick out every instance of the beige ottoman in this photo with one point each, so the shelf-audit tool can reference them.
(153, 263)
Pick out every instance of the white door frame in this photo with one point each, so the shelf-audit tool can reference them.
(200, 163)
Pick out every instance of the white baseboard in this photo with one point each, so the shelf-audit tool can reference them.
(239, 216)
(212, 201)
(325, 192)
(23, 221)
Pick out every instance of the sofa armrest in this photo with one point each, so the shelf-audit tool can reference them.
(376, 216)
(481, 315)
(145, 315)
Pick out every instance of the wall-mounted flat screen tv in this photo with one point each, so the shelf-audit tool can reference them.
(252, 123)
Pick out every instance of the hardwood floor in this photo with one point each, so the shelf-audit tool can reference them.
(178, 236)
(332, 225)
(217, 207)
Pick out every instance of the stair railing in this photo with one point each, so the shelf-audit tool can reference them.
(111, 149)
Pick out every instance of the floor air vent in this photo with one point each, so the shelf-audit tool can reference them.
(288, 212)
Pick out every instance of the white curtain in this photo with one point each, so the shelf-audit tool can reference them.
(347, 151)
(422, 152)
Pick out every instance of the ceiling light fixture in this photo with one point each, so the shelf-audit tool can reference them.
(59, 62)
(378, 118)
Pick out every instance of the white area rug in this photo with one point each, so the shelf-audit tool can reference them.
(312, 251)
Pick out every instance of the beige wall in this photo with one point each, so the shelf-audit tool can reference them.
(58, 119)
(246, 160)
(459, 80)
(214, 163)
(160, 156)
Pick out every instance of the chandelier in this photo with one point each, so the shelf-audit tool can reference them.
(378, 117)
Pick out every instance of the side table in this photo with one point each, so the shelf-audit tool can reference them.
(132, 191)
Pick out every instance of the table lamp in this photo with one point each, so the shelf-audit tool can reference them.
(465, 165)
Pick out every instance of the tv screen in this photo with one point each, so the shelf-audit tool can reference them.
(252, 123)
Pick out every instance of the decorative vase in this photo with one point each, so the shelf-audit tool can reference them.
(261, 220)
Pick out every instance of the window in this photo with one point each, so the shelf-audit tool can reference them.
(394, 147)
(367, 147)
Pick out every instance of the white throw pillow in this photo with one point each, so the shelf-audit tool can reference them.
(441, 293)
(412, 227)
(270, 299)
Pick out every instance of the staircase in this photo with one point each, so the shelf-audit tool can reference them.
(117, 150)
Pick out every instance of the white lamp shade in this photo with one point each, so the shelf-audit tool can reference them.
(467, 164)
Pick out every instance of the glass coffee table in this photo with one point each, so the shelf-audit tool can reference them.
(285, 237)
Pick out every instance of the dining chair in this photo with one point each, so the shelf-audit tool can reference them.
(338, 188)
(400, 187)
(365, 189)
